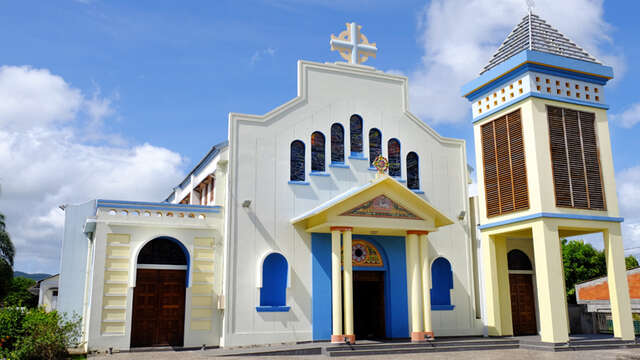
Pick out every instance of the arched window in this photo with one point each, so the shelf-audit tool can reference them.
(297, 161)
(518, 260)
(273, 293)
(375, 145)
(162, 251)
(355, 127)
(413, 176)
(337, 143)
(394, 157)
(442, 283)
(317, 151)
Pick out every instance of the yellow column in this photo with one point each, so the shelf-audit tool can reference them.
(348, 286)
(336, 287)
(550, 283)
(496, 284)
(426, 284)
(415, 303)
(618, 286)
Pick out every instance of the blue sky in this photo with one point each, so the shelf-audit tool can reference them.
(118, 99)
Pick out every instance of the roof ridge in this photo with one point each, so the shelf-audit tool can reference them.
(534, 33)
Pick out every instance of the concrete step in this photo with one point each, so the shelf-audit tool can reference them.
(419, 349)
(434, 344)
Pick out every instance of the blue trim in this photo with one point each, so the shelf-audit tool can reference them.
(515, 62)
(417, 191)
(540, 96)
(339, 165)
(319, 173)
(291, 182)
(357, 156)
(553, 216)
(273, 308)
(442, 307)
(321, 286)
(140, 205)
(371, 168)
(399, 179)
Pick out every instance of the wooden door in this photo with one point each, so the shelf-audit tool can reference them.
(523, 310)
(158, 308)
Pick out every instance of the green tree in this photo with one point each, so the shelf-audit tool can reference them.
(583, 262)
(7, 253)
(19, 295)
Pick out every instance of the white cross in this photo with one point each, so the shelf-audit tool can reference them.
(353, 45)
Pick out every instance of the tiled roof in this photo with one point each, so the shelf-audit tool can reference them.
(533, 33)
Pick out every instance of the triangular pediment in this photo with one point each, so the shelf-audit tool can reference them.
(381, 207)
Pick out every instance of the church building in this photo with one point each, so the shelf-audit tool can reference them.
(340, 216)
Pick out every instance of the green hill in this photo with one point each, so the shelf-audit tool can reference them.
(36, 276)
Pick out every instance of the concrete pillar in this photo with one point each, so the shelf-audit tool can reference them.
(336, 287)
(550, 283)
(496, 285)
(415, 279)
(348, 286)
(618, 286)
(426, 284)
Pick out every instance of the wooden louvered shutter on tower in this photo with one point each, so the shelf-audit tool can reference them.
(505, 172)
(574, 159)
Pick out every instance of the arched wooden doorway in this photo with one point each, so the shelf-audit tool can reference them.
(159, 295)
(523, 308)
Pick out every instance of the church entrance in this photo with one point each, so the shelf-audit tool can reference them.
(368, 304)
(159, 295)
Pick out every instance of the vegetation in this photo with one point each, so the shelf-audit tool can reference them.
(7, 253)
(583, 262)
(36, 334)
(18, 293)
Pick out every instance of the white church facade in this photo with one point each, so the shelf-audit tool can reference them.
(338, 216)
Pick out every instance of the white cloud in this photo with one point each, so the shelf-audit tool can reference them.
(45, 163)
(629, 117)
(628, 182)
(459, 37)
(258, 55)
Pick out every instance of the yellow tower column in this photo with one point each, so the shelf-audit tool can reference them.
(618, 286)
(336, 287)
(415, 303)
(348, 286)
(496, 284)
(426, 282)
(549, 283)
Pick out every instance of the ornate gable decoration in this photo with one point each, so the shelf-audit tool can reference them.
(381, 207)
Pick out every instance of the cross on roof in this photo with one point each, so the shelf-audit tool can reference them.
(353, 45)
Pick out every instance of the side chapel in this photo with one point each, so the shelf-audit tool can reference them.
(340, 216)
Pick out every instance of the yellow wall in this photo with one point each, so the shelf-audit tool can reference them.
(538, 160)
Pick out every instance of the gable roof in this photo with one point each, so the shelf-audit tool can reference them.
(422, 205)
(533, 33)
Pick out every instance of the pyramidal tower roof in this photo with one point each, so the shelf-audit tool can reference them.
(533, 33)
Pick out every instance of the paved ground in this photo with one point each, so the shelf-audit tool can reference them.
(517, 354)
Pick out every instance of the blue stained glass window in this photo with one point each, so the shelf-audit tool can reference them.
(356, 133)
(394, 157)
(317, 151)
(297, 161)
(413, 177)
(375, 145)
(337, 143)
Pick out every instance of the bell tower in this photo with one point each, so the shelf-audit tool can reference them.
(545, 171)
